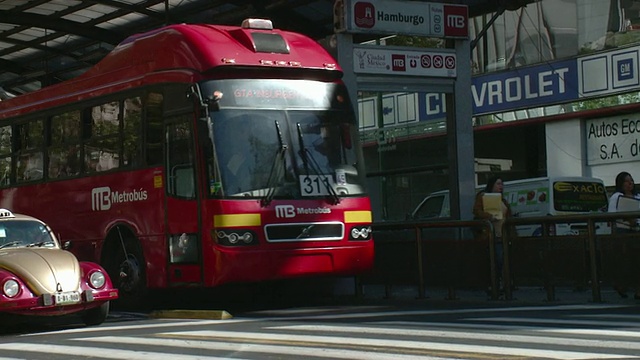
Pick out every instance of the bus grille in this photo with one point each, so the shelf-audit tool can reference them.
(304, 232)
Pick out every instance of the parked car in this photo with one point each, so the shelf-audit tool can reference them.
(544, 196)
(40, 278)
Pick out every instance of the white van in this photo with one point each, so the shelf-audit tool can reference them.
(535, 197)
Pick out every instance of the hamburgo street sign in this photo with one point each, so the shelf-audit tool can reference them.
(402, 18)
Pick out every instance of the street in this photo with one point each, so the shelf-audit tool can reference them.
(407, 330)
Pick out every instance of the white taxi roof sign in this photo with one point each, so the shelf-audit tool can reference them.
(4, 213)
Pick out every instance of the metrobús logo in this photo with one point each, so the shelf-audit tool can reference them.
(289, 211)
(102, 198)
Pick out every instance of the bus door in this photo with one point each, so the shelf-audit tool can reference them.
(182, 210)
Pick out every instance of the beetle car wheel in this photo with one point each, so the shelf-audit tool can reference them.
(97, 315)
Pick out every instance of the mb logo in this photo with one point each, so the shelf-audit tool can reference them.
(285, 211)
(100, 198)
(455, 21)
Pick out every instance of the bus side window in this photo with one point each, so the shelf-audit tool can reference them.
(5, 155)
(131, 122)
(30, 155)
(180, 159)
(153, 129)
(64, 145)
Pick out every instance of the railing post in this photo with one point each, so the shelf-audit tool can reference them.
(593, 259)
(506, 267)
(492, 260)
(421, 291)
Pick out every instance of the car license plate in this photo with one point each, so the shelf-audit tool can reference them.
(66, 298)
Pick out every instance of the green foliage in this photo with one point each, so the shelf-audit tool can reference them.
(415, 41)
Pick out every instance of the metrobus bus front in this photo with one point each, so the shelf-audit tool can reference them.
(284, 184)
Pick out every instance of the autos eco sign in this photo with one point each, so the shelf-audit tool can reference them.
(405, 17)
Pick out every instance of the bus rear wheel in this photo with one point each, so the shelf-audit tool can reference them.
(127, 271)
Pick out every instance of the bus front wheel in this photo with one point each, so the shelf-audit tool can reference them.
(127, 271)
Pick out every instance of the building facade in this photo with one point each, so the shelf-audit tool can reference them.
(555, 92)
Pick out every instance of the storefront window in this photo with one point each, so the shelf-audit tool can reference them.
(550, 30)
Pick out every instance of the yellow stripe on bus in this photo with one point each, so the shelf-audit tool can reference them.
(357, 217)
(235, 220)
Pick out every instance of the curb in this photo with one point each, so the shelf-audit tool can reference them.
(191, 314)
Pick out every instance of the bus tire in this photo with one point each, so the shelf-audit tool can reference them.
(128, 274)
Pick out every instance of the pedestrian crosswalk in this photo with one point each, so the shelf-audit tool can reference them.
(395, 335)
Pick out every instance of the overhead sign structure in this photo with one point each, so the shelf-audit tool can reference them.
(389, 61)
(402, 17)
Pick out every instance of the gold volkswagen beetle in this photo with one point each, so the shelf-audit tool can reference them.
(39, 278)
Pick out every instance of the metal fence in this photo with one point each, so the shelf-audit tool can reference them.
(461, 254)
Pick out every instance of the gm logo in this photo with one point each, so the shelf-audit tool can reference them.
(625, 69)
(100, 198)
(285, 211)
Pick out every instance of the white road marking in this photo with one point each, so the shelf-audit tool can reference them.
(261, 348)
(504, 338)
(161, 323)
(104, 353)
(560, 321)
(398, 344)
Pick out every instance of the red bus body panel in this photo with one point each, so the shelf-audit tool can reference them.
(286, 259)
(83, 210)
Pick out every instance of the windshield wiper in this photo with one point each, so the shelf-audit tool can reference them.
(310, 162)
(11, 243)
(40, 244)
(277, 170)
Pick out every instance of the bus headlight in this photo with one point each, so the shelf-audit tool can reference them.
(360, 233)
(237, 237)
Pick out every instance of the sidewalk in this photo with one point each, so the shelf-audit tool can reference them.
(523, 295)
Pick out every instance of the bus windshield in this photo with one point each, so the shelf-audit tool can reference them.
(286, 138)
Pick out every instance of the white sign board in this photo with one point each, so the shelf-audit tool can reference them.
(404, 17)
(613, 140)
(388, 61)
(610, 72)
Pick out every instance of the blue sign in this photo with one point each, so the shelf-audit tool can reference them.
(431, 106)
(625, 69)
(551, 83)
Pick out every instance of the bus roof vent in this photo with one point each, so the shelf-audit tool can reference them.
(269, 43)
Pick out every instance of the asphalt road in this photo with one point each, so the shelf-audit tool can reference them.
(398, 328)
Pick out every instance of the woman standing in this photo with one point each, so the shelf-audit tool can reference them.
(625, 187)
(495, 186)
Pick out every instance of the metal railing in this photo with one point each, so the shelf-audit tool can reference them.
(452, 252)
(399, 245)
(596, 247)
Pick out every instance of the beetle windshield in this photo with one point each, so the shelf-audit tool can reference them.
(17, 233)
(283, 139)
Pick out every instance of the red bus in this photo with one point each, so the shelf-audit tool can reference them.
(196, 155)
